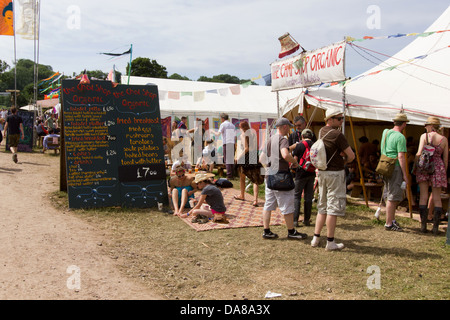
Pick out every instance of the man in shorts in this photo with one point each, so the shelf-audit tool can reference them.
(14, 128)
(332, 189)
(276, 198)
(393, 145)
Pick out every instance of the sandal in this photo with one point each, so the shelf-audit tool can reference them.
(238, 198)
(255, 203)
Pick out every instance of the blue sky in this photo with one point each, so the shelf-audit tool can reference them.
(195, 38)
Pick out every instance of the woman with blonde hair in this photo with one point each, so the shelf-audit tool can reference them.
(435, 180)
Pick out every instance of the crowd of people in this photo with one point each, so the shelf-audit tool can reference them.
(288, 151)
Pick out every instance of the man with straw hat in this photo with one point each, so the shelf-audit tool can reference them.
(332, 190)
(393, 145)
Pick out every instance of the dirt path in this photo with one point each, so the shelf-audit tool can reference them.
(47, 253)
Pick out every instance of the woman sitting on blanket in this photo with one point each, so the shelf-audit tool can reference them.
(214, 207)
(182, 189)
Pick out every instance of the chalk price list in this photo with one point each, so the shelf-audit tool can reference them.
(88, 145)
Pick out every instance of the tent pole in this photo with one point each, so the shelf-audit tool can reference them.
(408, 186)
(343, 110)
(278, 105)
(361, 176)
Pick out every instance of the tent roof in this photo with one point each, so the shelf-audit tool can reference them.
(251, 101)
(420, 82)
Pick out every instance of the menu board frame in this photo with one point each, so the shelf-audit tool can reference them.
(113, 145)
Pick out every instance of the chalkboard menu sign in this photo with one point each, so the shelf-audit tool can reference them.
(113, 145)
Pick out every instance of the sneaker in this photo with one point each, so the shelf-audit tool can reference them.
(269, 235)
(334, 246)
(297, 235)
(14, 157)
(394, 227)
(315, 242)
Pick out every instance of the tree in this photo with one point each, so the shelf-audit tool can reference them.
(144, 67)
(224, 78)
(176, 76)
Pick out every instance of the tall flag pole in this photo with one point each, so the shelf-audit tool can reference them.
(131, 57)
(15, 58)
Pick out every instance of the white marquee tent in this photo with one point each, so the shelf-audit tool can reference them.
(416, 79)
(209, 99)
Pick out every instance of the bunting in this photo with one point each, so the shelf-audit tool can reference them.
(390, 68)
(398, 35)
(201, 95)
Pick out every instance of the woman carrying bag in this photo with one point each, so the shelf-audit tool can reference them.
(436, 179)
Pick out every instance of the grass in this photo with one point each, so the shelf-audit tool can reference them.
(177, 262)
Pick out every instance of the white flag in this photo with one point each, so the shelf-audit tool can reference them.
(27, 16)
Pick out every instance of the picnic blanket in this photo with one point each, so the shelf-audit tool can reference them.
(240, 214)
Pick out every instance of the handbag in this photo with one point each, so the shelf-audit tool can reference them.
(281, 181)
(386, 165)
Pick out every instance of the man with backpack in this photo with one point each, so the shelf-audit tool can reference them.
(332, 191)
(393, 145)
(305, 176)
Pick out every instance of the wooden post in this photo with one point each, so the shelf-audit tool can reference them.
(62, 152)
(408, 186)
(361, 179)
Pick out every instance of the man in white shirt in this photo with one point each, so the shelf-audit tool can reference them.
(228, 132)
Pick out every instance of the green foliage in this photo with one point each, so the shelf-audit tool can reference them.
(225, 78)
(144, 67)
(176, 76)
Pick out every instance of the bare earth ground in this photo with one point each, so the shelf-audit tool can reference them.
(44, 251)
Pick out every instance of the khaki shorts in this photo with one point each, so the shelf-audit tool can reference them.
(392, 186)
(332, 193)
(281, 199)
(14, 140)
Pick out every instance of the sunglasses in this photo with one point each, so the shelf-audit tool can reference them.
(338, 118)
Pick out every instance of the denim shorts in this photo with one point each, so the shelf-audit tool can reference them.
(332, 193)
(281, 199)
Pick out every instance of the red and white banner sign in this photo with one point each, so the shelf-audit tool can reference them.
(310, 68)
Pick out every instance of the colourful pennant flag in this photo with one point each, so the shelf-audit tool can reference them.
(6, 18)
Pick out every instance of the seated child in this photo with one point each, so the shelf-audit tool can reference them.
(214, 207)
(182, 189)
(207, 160)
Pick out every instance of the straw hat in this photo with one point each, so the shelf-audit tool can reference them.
(332, 112)
(401, 117)
(201, 177)
(178, 168)
(433, 121)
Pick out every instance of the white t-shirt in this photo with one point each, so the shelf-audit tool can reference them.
(228, 131)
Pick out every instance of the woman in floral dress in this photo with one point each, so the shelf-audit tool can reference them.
(436, 180)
